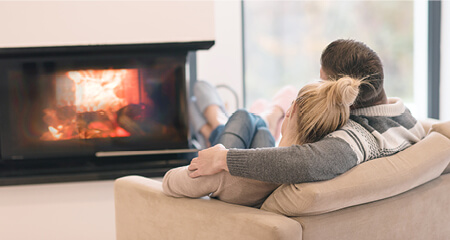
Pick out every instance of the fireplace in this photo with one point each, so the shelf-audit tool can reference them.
(93, 112)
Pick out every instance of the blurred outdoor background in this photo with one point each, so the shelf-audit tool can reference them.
(283, 41)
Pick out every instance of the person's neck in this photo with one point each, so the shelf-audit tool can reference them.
(383, 100)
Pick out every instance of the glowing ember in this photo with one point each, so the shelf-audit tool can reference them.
(55, 132)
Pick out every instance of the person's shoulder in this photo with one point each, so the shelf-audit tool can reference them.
(385, 116)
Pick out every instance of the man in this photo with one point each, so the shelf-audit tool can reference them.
(378, 127)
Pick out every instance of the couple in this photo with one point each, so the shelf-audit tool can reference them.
(332, 126)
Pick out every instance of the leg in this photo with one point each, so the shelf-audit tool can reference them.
(177, 183)
(205, 132)
(239, 130)
(198, 125)
(210, 108)
(273, 116)
(263, 138)
(231, 189)
(215, 116)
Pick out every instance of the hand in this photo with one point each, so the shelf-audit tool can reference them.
(209, 161)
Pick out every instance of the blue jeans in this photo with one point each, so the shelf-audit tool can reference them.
(243, 130)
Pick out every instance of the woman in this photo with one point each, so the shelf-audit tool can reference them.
(319, 109)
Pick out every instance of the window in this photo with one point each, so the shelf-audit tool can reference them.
(283, 41)
(445, 62)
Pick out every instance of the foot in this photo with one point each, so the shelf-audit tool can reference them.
(284, 97)
(210, 104)
(207, 95)
(259, 106)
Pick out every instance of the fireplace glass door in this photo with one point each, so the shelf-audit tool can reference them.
(69, 106)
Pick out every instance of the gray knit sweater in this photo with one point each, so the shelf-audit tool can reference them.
(371, 133)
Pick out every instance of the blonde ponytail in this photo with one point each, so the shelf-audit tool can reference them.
(324, 107)
(340, 92)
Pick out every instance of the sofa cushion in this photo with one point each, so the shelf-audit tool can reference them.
(442, 128)
(370, 181)
(428, 122)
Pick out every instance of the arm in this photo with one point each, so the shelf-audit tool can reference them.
(317, 161)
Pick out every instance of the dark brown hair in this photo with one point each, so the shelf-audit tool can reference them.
(356, 60)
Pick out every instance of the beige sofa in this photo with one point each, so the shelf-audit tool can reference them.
(405, 196)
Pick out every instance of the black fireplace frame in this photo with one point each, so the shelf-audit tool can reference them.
(99, 167)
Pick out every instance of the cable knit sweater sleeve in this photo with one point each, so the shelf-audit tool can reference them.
(317, 161)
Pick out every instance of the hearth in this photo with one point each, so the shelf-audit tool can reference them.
(93, 112)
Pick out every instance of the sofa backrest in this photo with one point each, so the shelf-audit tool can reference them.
(370, 181)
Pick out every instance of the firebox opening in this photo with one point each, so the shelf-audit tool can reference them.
(93, 104)
(75, 107)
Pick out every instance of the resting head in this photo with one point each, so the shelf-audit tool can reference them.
(319, 109)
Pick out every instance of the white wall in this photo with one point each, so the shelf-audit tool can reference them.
(445, 62)
(222, 64)
(85, 210)
(61, 23)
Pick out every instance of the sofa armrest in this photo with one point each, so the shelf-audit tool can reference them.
(427, 123)
(143, 211)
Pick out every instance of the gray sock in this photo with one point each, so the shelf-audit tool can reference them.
(196, 118)
(206, 95)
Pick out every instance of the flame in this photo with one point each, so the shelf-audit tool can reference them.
(55, 132)
(95, 89)
(87, 101)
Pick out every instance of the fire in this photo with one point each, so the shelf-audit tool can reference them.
(95, 89)
(55, 132)
(87, 102)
